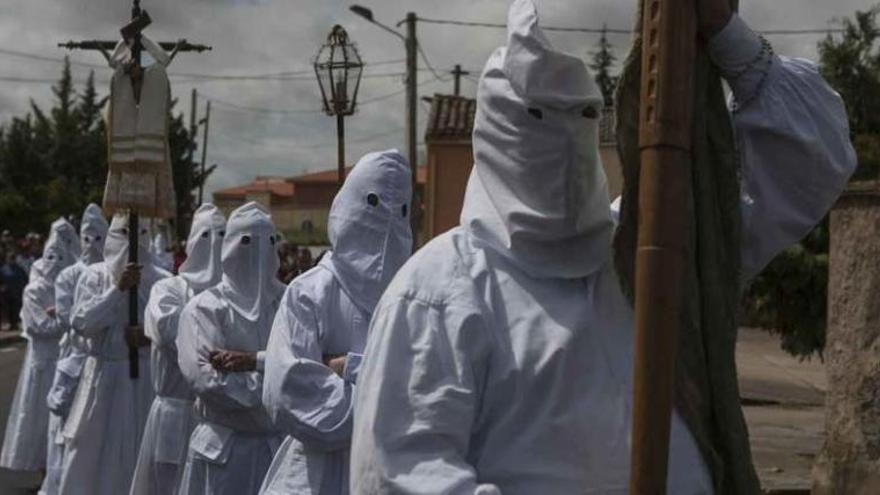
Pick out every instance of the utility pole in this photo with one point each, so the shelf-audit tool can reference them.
(207, 121)
(412, 105)
(183, 223)
(457, 73)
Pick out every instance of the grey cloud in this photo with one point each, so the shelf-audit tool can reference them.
(267, 36)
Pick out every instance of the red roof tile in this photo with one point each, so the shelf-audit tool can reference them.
(451, 118)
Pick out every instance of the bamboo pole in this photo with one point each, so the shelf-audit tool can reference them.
(669, 37)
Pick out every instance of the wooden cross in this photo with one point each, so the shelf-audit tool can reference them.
(131, 33)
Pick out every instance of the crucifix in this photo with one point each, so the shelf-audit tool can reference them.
(133, 68)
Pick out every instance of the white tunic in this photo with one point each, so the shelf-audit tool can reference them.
(306, 399)
(106, 420)
(482, 378)
(171, 421)
(24, 446)
(233, 444)
(71, 357)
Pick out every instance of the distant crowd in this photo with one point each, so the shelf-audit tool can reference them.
(17, 256)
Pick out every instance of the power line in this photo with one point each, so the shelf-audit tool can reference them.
(615, 31)
(292, 111)
(428, 63)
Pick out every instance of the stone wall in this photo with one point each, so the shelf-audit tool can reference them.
(850, 459)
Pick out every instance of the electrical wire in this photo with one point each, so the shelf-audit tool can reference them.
(614, 31)
(428, 64)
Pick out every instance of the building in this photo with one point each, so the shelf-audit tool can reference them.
(450, 159)
(299, 205)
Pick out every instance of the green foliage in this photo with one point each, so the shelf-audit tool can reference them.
(603, 60)
(851, 64)
(790, 296)
(53, 163)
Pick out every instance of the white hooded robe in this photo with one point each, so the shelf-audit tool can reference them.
(106, 420)
(171, 420)
(234, 442)
(72, 348)
(24, 445)
(326, 311)
(500, 357)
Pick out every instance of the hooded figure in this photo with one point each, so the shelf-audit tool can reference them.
(319, 334)
(24, 445)
(106, 419)
(72, 351)
(500, 357)
(221, 344)
(159, 250)
(170, 424)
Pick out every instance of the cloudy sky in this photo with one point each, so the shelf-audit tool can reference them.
(271, 125)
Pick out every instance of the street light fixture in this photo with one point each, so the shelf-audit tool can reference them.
(339, 68)
(412, 102)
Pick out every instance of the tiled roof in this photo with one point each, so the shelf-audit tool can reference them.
(277, 186)
(452, 118)
(330, 176)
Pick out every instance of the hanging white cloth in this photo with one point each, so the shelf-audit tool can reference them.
(326, 311)
(106, 420)
(171, 420)
(233, 444)
(494, 370)
(24, 444)
(140, 164)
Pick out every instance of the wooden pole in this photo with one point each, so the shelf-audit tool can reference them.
(204, 151)
(669, 37)
(133, 223)
(340, 149)
(412, 107)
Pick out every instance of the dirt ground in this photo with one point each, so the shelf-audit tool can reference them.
(783, 400)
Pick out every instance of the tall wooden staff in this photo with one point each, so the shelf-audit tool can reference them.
(139, 20)
(669, 36)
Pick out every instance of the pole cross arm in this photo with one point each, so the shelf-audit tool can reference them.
(182, 46)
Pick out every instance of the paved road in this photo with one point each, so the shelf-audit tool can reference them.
(11, 482)
(784, 410)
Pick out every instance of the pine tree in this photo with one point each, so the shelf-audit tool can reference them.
(602, 64)
(187, 172)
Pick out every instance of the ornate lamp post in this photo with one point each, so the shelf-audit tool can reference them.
(339, 68)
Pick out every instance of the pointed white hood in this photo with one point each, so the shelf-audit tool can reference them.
(538, 193)
(64, 238)
(369, 226)
(116, 245)
(92, 234)
(201, 269)
(250, 261)
(60, 251)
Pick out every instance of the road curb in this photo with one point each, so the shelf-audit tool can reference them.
(12, 339)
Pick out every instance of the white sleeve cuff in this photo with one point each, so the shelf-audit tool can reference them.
(741, 58)
(261, 360)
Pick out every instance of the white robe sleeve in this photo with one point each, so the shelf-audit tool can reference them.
(163, 313)
(95, 309)
(304, 397)
(65, 286)
(37, 322)
(418, 400)
(199, 334)
(793, 138)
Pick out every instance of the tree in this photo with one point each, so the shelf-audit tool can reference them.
(790, 296)
(603, 61)
(187, 172)
(53, 163)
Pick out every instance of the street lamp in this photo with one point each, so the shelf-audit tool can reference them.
(411, 100)
(339, 68)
